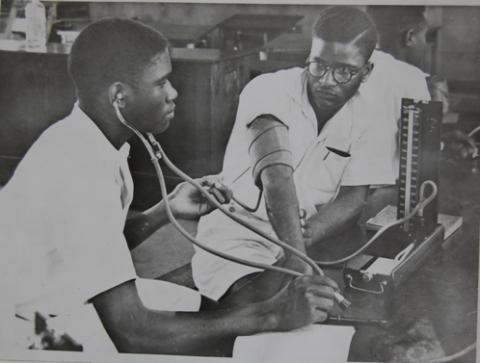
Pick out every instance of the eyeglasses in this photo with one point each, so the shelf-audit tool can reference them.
(341, 74)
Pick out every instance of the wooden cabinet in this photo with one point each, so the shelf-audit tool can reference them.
(35, 91)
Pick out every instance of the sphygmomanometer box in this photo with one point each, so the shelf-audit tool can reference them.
(390, 262)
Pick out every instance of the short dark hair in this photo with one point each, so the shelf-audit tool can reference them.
(393, 21)
(112, 50)
(345, 24)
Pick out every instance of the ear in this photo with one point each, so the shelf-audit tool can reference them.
(408, 38)
(117, 92)
(367, 71)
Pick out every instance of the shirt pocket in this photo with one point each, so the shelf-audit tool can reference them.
(324, 171)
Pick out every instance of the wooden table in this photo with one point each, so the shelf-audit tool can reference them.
(432, 313)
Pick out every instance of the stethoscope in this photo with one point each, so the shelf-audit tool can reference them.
(156, 153)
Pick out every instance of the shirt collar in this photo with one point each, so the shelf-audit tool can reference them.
(96, 136)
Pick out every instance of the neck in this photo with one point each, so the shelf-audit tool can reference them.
(106, 120)
(394, 49)
(322, 115)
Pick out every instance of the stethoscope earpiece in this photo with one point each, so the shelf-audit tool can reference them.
(119, 100)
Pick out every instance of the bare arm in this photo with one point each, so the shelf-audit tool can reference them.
(185, 201)
(338, 215)
(282, 204)
(140, 226)
(136, 329)
(272, 170)
(283, 213)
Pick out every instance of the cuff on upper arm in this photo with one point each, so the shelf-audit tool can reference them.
(268, 144)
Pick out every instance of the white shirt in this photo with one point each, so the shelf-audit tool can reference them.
(355, 128)
(62, 217)
(365, 127)
(390, 81)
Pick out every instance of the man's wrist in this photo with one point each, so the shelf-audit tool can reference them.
(263, 316)
(172, 204)
(296, 263)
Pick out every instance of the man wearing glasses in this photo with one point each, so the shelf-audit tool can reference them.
(306, 146)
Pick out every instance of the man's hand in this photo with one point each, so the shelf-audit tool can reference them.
(188, 203)
(306, 229)
(305, 300)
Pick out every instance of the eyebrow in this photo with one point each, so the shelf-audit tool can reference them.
(163, 79)
(317, 59)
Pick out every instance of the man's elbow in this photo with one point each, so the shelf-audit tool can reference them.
(140, 334)
(276, 176)
(123, 316)
(124, 335)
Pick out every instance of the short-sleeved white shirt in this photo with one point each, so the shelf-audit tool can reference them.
(61, 219)
(390, 81)
(365, 127)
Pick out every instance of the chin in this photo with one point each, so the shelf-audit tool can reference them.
(163, 127)
(326, 104)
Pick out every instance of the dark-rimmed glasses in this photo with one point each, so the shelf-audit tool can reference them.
(341, 74)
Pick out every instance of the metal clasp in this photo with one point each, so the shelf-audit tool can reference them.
(377, 292)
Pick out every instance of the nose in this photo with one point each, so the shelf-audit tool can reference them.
(171, 92)
(327, 78)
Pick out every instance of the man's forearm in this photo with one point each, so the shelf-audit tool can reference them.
(135, 329)
(282, 204)
(140, 226)
(338, 215)
(192, 333)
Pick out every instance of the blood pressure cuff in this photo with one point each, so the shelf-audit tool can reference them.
(268, 145)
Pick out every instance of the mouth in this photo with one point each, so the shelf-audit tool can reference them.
(171, 111)
(325, 94)
(326, 97)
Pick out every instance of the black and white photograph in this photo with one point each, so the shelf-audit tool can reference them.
(239, 181)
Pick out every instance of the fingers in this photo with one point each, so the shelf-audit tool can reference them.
(303, 223)
(319, 288)
(218, 195)
(307, 233)
(215, 186)
(320, 303)
(305, 300)
(318, 281)
(319, 316)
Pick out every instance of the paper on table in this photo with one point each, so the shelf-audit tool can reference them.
(314, 343)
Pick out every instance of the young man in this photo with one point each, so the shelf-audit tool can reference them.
(402, 32)
(311, 139)
(65, 242)
(402, 41)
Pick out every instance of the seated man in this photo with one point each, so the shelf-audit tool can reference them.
(403, 35)
(408, 34)
(312, 139)
(402, 32)
(64, 236)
